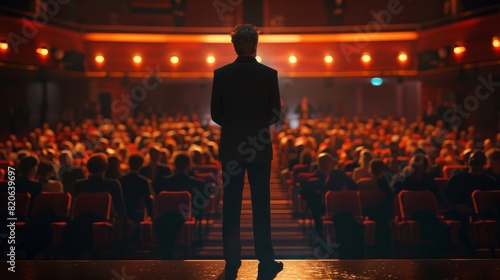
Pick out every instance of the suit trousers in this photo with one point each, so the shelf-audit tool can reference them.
(259, 178)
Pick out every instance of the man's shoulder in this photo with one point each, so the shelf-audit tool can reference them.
(230, 66)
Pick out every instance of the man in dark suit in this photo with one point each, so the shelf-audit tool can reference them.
(169, 225)
(28, 167)
(96, 182)
(181, 180)
(155, 170)
(136, 188)
(245, 102)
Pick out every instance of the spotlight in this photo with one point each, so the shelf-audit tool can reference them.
(258, 58)
(43, 51)
(402, 57)
(211, 59)
(99, 58)
(459, 49)
(292, 59)
(328, 59)
(174, 59)
(137, 59)
(495, 41)
(366, 58)
(4, 45)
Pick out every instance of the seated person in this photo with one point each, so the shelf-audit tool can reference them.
(45, 172)
(461, 185)
(414, 177)
(96, 182)
(378, 180)
(364, 161)
(136, 190)
(28, 167)
(155, 170)
(68, 173)
(180, 180)
(494, 160)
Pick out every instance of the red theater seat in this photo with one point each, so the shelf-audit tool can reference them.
(98, 203)
(407, 232)
(170, 201)
(484, 225)
(340, 201)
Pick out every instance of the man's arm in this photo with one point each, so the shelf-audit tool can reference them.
(215, 102)
(274, 101)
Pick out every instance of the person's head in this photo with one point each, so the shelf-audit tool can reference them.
(377, 168)
(28, 166)
(245, 38)
(494, 158)
(326, 162)
(182, 162)
(45, 170)
(419, 163)
(477, 161)
(135, 162)
(97, 164)
(305, 157)
(154, 153)
(66, 158)
(365, 157)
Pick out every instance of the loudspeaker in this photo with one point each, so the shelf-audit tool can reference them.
(253, 12)
(428, 60)
(74, 61)
(105, 101)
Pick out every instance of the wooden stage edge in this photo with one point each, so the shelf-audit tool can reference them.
(449, 269)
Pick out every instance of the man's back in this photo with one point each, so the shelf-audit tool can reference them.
(245, 102)
(136, 187)
(179, 182)
(100, 184)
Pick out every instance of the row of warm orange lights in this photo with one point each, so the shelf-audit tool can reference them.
(365, 57)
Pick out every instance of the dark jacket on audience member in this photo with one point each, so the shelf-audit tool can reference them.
(425, 183)
(68, 176)
(461, 185)
(136, 187)
(162, 170)
(337, 181)
(179, 181)
(25, 185)
(97, 183)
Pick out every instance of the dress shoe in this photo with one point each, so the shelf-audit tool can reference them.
(269, 270)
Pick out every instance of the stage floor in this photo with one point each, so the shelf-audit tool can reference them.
(293, 270)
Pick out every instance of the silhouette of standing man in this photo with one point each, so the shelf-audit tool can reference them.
(245, 102)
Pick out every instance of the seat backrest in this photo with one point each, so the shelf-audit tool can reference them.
(412, 201)
(22, 203)
(57, 203)
(338, 201)
(298, 168)
(441, 183)
(370, 197)
(484, 200)
(173, 201)
(449, 168)
(98, 203)
(366, 184)
(4, 164)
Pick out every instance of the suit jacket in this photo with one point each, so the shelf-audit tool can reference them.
(162, 170)
(245, 102)
(180, 181)
(134, 188)
(97, 183)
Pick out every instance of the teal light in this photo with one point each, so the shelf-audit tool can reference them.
(376, 82)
